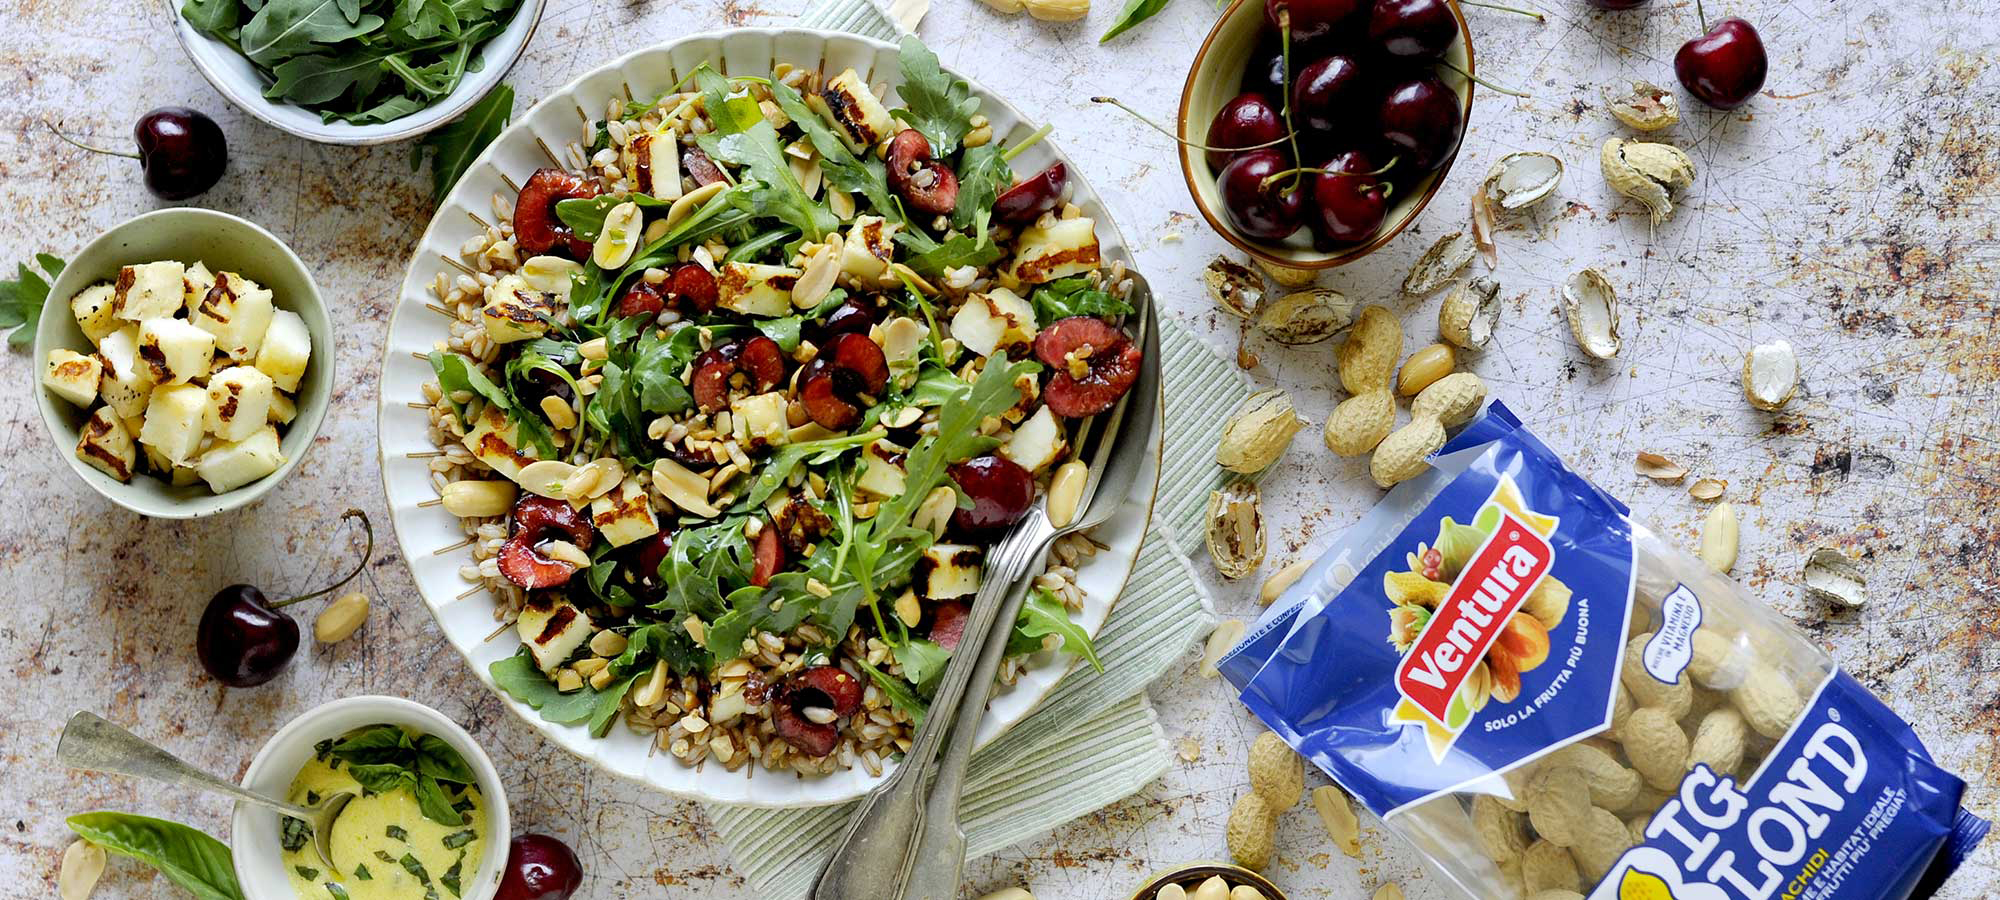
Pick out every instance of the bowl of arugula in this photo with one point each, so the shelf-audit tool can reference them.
(357, 71)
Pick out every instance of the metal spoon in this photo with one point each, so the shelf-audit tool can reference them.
(92, 743)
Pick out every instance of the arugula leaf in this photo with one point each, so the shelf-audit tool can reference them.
(520, 679)
(656, 366)
(21, 300)
(933, 258)
(1074, 296)
(456, 372)
(1043, 615)
(778, 468)
(983, 173)
(922, 661)
(898, 691)
(1135, 11)
(453, 147)
(706, 563)
(937, 103)
(199, 864)
(864, 175)
(744, 138)
(286, 27)
(217, 17)
(664, 641)
(320, 77)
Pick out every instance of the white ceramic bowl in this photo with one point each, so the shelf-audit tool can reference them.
(233, 75)
(253, 832)
(227, 244)
(430, 537)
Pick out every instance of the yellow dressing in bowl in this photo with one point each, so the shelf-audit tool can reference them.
(384, 846)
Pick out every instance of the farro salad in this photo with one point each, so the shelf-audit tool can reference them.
(736, 399)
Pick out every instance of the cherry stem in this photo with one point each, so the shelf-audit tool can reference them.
(1285, 56)
(1481, 81)
(1702, 15)
(1265, 185)
(1008, 154)
(1180, 140)
(83, 146)
(1512, 9)
(366, 554)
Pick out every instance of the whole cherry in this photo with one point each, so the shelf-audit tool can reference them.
(1310, 20)
(1412, 29)
(243, 640)
(1724, 67)
(1351, 198)
(1244, 123)
(539, 867)
(181, 151)
(1422, 118)
(1258, 205)
(1330, 92)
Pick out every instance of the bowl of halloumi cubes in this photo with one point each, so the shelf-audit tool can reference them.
(185, 363)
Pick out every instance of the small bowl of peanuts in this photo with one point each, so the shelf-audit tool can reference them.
(1208, 881)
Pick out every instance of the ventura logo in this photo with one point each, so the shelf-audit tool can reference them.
(1464, 626)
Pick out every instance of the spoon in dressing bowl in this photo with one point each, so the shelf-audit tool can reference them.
(92, 743)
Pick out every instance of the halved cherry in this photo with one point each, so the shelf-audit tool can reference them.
(693, 286)
(832, 385)
(1094, 364)
(948, 623)
(768, 556)
(1001, 492)
(642, 298)
(1032, 196)
(823, 401)
(852, 316)
(711, 384)
(764, 361)
(923, 181)
(857, 354)
(539, 519)
(699, 167)
(818, 687)
(537, 229)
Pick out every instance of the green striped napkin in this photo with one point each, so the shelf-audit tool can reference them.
(1094, 740)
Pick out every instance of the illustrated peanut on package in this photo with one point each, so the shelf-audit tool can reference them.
(1549, 700)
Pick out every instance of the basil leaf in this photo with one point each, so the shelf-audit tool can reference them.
(453, 147)
(335, 891)
(361, 873)
(21, 300)
(306, 872)
(412, 865)
(294, 833)
(437, 758)
(1135, 11)
(375, 744)
(381, 778)
(394, 832)
(450, 877)
(937, 103)
(196, 862)
(458, 839)
(435, 805)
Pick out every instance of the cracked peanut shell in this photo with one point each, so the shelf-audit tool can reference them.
(1305, 317)
(1647, 172)
(1235, 529)
(1233, 287)
(1470, 313)
(1591, 306)
(1257, 433)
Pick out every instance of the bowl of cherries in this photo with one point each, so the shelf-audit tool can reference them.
(1313, 131)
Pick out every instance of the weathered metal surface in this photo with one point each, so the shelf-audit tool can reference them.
(1850, 210)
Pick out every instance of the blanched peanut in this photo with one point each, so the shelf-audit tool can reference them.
(82, 866)
(1172, 892)
(1012, 893)
(1212, 889)
(478, 499)
(1425, 367)
(1388, 891)
(1245, 892)
(338, 621)
(1336, 815)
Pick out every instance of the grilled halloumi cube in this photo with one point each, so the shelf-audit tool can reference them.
(855, 112)
(625, 513)
(994, 320)
(96, 311)
(238, 312)
(759, 419)
(174, 352)
(232, 464)
(107, 446)
(755, 289)
(73, 376)
(150, 290)
(552, 630)
(1036, 442)
(282, 410)
(516, 312)
(286, 350)
(178, 476)
(497, 443)
(870, 245)
(882, 474)
(654, 159)
(195, 285)
(239, 402)
(1066, 247)
(174, 417)
(948, 570)
(126, 383)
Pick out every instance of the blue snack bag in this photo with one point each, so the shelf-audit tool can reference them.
(1542, 694)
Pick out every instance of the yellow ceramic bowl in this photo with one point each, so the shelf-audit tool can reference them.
(1215, 79)
(1193, 874)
